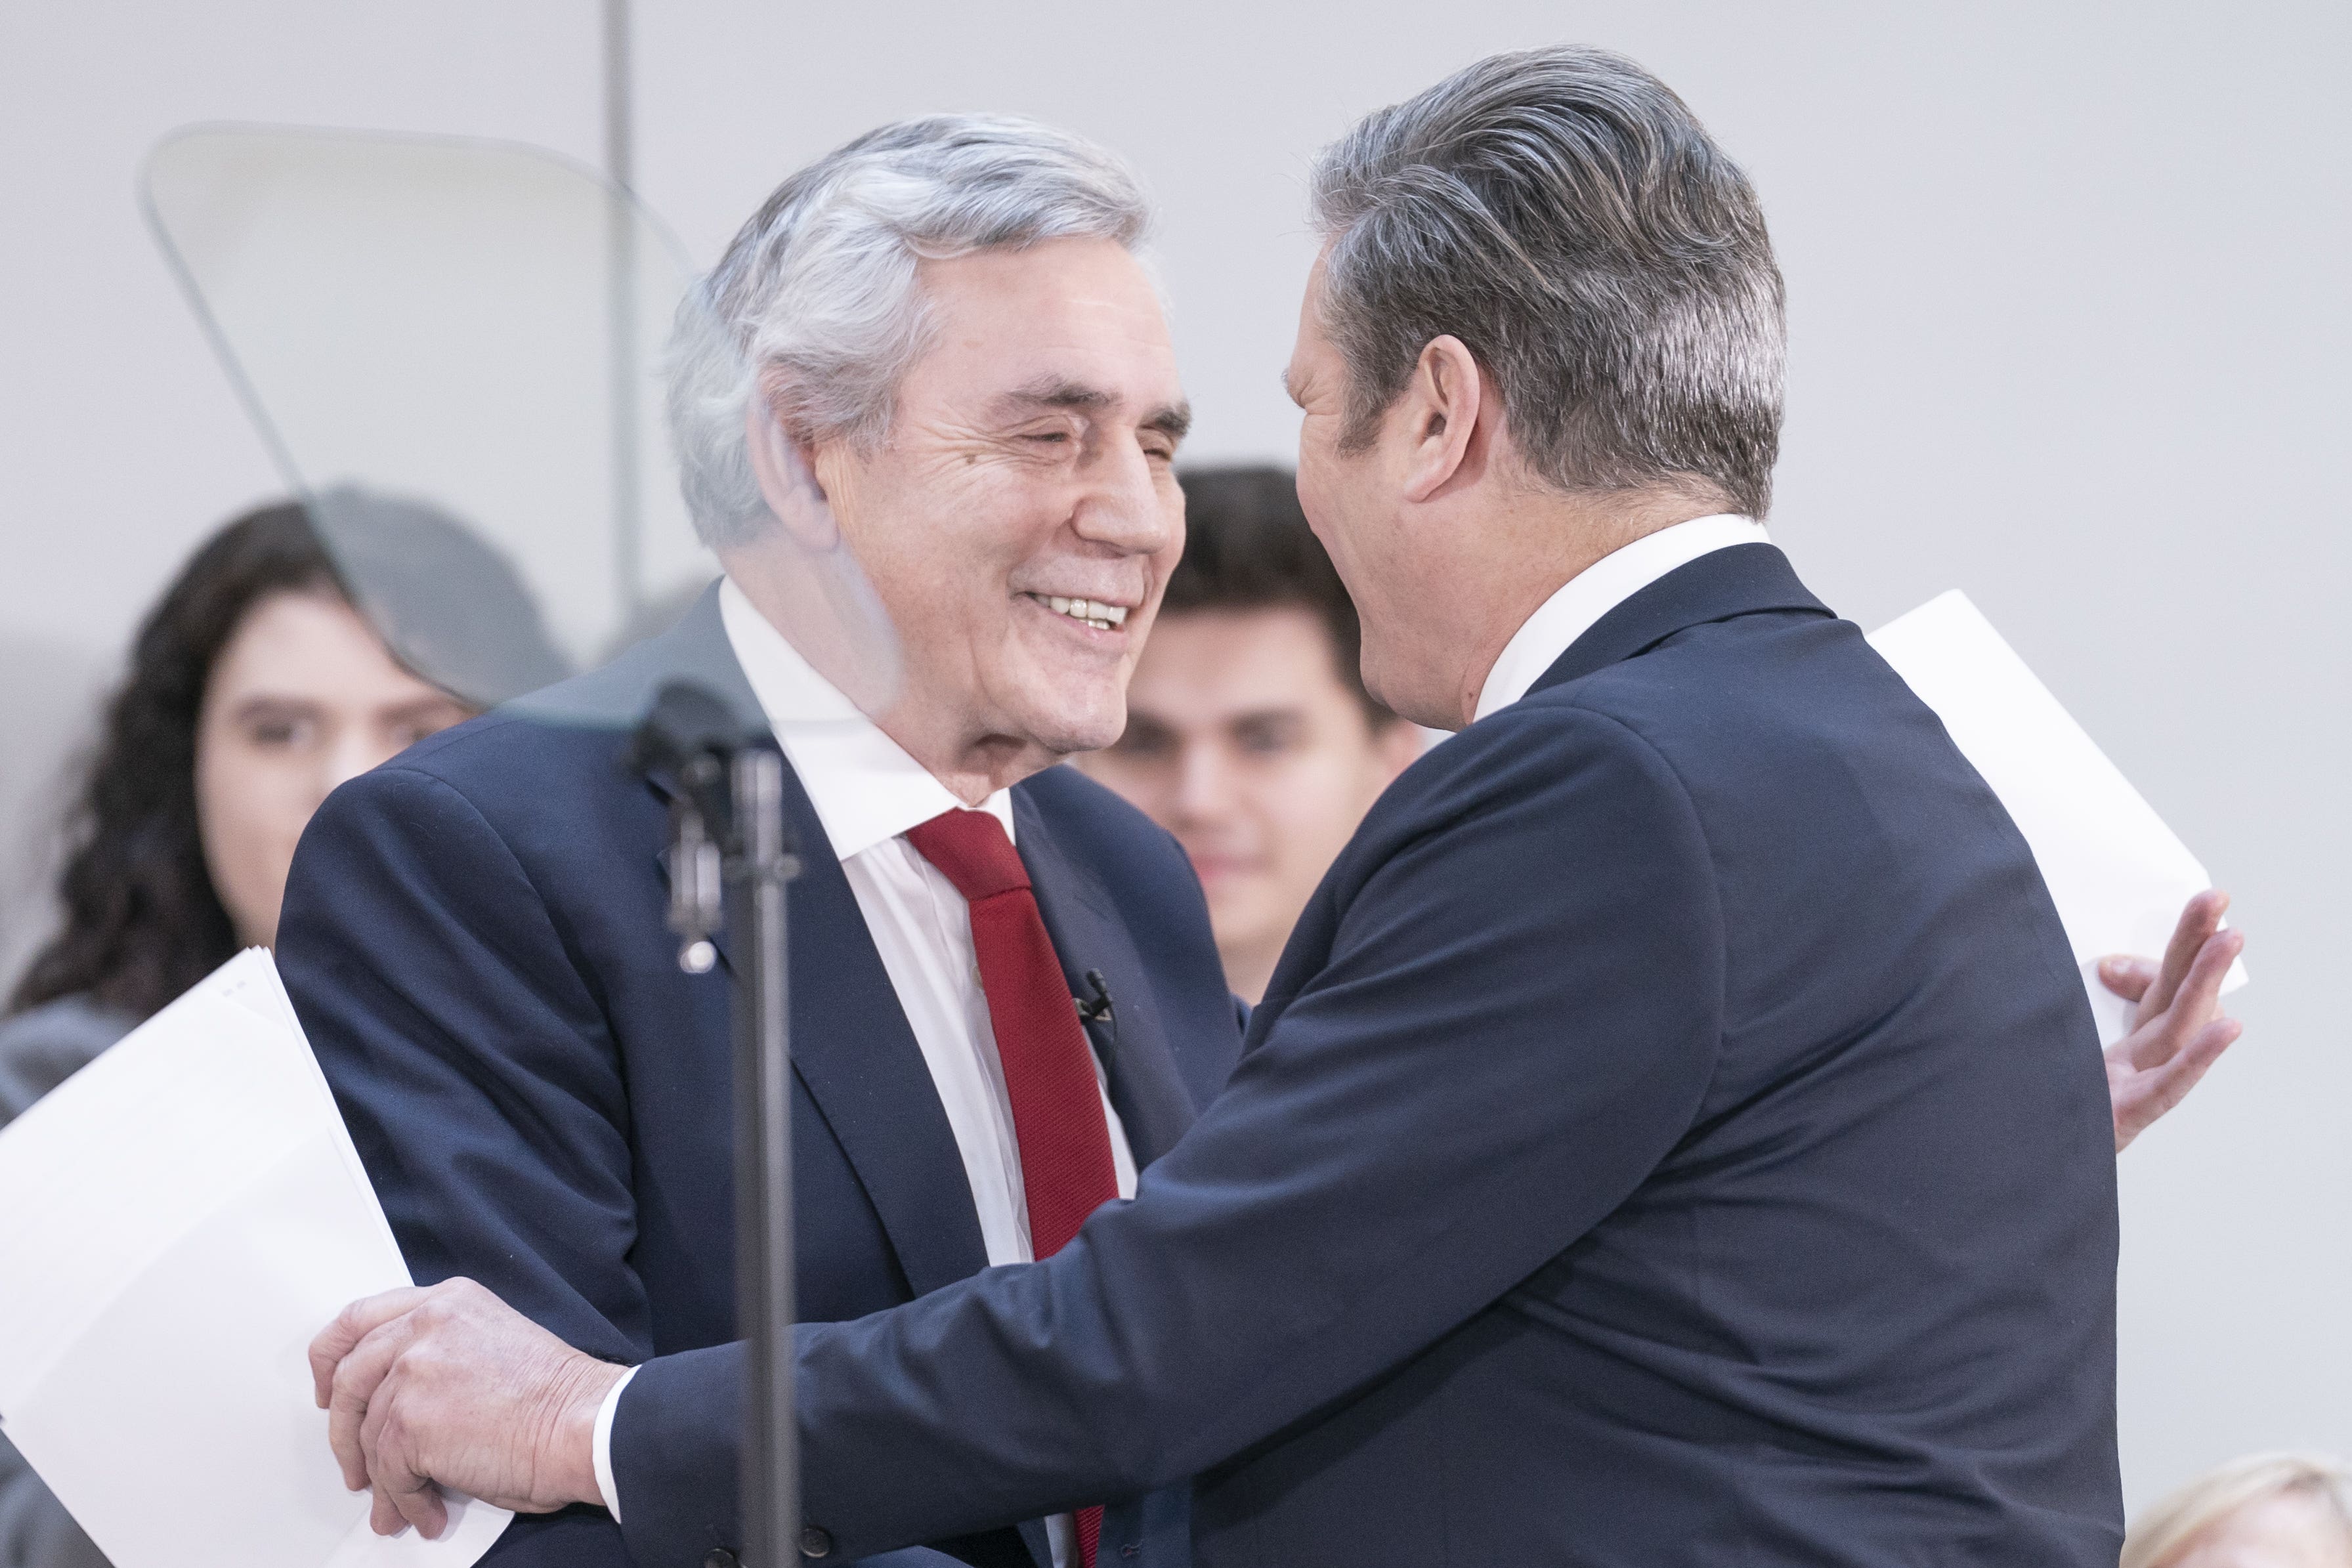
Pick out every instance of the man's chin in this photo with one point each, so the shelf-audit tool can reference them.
(1066, 728)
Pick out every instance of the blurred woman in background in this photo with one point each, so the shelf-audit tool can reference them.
(257, 685)
(2268, 1511)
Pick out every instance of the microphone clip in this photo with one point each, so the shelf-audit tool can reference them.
(1099, 1008)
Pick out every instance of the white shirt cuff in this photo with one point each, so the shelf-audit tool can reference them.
(604, 1413)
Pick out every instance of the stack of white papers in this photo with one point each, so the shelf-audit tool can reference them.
(2118, 876)
(177, 1220)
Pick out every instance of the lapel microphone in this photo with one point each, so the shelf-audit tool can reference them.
(1098, 1008)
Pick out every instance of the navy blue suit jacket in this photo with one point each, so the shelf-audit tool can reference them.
(1675, 1134)
(474, 939)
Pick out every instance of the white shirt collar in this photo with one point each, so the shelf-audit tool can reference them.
(1599, 588)
(865, 786)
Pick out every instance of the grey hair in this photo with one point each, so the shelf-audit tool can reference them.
(1562, 214)
(816, 301)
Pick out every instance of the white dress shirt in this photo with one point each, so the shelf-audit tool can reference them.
(1599, 588)
(867, 792)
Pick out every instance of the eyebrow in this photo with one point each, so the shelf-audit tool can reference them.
(268, 702)
(439, 698)
(287, 702)
(1172, 420)
(1290, 387)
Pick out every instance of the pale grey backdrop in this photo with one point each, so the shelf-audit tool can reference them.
(2067, 294)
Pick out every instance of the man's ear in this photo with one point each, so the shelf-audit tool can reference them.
(785, 469)
(1447, 412)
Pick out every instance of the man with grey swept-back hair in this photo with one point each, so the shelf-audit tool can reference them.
(1674, 1132)
(930, 377)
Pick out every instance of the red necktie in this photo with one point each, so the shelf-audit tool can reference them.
(1049, 1070)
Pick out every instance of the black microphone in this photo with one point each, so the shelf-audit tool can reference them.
(1098, 1009)
(691, 737)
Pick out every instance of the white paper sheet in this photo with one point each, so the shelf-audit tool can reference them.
(2118, 876)
(177, 1220)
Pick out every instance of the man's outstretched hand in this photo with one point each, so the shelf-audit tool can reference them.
(450, 1384)
(2179, 1032)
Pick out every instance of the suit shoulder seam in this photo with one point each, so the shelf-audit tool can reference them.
(539, 894)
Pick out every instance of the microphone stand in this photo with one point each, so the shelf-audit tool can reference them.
(730, 862)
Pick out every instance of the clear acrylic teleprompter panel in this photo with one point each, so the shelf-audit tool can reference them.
(469, 329)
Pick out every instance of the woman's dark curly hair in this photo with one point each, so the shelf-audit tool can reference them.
(142, 921)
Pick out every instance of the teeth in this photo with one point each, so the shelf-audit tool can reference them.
(1101, 617)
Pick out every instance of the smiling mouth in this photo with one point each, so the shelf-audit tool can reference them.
(1085, 612)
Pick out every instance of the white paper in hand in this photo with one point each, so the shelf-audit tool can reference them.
(2118, 876)
(176, 1222)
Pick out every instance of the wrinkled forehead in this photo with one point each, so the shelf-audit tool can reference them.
(1075, 324)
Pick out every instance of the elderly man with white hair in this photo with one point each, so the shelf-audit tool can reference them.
(941, 331)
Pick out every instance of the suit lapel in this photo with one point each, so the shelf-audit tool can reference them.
(1087, 934)
(1740, 581)
(855, 1052)
(852, 1047)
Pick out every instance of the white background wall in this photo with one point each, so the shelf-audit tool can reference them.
(2068, 304)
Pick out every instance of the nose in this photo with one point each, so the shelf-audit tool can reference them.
(1125, 504)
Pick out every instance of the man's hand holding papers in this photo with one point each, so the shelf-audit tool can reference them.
(174, 1221)
(2115, 869)
(429, 1384)
(2178, 1030)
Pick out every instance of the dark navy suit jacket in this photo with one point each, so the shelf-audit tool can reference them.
(474, 939)
(1675, 1134)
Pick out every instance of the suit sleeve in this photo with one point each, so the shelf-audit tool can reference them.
(1518, 1019)
(473, 1065)
(36, 1530)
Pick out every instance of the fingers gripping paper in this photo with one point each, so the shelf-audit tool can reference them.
(2118, 876)
(176, 1222)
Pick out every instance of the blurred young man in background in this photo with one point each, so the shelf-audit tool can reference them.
(1250, 735)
